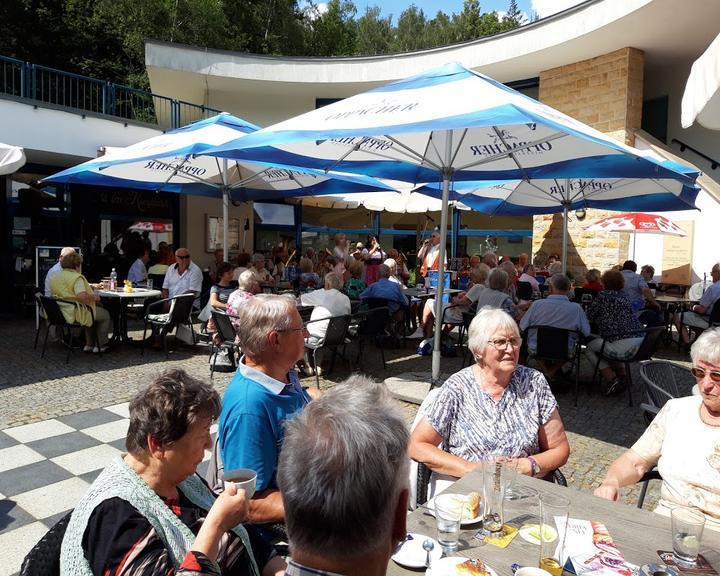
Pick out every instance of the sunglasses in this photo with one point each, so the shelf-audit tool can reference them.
(700, 373)
(184, 257)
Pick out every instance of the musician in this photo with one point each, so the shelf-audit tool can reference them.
(429, 253)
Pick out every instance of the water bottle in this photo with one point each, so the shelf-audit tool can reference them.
(113, 280)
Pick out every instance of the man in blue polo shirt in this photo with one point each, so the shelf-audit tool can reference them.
(263, 394)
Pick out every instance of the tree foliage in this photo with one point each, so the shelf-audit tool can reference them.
(106, 38)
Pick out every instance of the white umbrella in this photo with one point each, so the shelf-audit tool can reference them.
(701, 99)
(12, 158)
(448, 124)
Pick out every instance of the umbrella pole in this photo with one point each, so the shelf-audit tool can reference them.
(565, 239)
(441, 261)
(226, 210)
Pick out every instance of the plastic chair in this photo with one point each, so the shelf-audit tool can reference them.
(554, 343)
(44, 558)
(644, 352)
(227, 334)
(55, 317)
(181, 308)
(337, 327)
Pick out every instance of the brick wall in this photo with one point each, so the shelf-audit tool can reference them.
(606, 93)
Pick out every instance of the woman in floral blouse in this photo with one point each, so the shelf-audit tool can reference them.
(612, 314)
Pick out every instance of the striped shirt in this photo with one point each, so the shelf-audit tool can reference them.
(474, 426)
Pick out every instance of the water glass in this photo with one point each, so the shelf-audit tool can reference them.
(498, 474)
(448, 514)
(149, 284)
(554, 512)
(687, 528)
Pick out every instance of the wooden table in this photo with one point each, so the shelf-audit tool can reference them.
(637, 533)
(119, 300)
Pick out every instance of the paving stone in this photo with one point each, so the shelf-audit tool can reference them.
(89, 418)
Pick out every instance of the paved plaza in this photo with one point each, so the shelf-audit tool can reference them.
(61, 423)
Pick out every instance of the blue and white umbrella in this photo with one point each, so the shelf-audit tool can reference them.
(171, 163)
(449, 124)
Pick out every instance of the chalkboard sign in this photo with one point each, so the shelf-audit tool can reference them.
(45, 258)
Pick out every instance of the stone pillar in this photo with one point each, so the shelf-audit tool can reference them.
(606, 93)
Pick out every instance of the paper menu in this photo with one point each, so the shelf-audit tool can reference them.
(591, 549)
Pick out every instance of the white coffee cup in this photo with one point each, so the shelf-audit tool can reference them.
(244, 478)
(531, 571)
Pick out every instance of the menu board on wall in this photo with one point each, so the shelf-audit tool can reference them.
(678, 256)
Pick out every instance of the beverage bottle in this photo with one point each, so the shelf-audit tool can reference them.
(113, 279)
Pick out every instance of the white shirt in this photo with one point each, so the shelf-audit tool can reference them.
(54, 270)
(138, 272)
(687, 453)
(177, 284)
(326, 303)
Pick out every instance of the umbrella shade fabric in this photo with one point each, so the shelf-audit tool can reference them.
(637, 222)
(400, 131)
(12, 158)
(701, 99)
(170, 163)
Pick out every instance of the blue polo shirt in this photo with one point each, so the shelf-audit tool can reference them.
(250, 429)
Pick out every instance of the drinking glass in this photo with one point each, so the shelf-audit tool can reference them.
(448, 514)
(149, 284)
(497, 476)
(687, 528)
(554, 512)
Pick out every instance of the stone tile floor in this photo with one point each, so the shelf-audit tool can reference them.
(61, 423)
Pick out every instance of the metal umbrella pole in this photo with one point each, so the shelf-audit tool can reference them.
(226, 209)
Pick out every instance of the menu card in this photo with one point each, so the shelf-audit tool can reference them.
(590, 549)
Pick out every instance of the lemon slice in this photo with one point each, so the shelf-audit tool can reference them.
(532, 532)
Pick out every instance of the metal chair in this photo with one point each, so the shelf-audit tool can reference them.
(371, 323)
(467, 318)
(180, 314)
(55, 317)
(663, 381)
(227, 334)
(44, 558)
(554, 344)
(713, 321)
(644, 352)
(524, 291)
(335, 336)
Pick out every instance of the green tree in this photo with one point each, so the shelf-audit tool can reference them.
(374, 33)
(410, 31)
(439, 31)
(514, 16)
(333, 32)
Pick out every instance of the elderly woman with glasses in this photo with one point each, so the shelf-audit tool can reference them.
(494, 407)
(683, 441)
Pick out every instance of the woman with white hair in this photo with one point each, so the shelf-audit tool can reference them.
(494, 407)
(261, 273)
(683, 441)
(247, 288)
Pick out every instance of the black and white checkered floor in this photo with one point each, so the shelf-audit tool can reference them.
(46, 467)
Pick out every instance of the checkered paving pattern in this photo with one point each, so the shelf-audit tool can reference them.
(46, 467)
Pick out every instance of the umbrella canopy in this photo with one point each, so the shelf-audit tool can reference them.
(637, 223)
(701, 99)
(12, 158)
(448, 124)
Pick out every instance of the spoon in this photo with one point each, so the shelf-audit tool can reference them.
(428, 547)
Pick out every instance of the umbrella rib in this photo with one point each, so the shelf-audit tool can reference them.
(457, 149)
(353, 149)
(413, 154)
(516, 149)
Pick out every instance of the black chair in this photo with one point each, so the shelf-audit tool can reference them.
(644, 352)
(226, 331)
(524, 291)
(554, 344)
(55, 318)
(713, 321)
(585, 296)
(663, 381)
(335, 336)
(180, 314)
(158, 280)
(653, 474)
(391, 325)
(44, 558)
(371, 323)
(305, 312)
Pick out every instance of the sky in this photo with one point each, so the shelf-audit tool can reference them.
(431, 7)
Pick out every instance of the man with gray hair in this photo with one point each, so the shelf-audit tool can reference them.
(56, 268)
(385, 289)
(557, 311)
(343, 477)
(262, 396)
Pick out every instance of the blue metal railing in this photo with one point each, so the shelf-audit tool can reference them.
(77, 92)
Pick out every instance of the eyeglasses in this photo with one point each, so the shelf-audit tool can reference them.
(302, 328)
(187, 256)
(501, 344)
(700, 373)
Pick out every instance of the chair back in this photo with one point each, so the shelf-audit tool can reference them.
(44, 558)
(336, 330)
(373, 321)
(180, 308)
(580, 292)
(524, 291)
(158, 280)
(52, 310)
(305, 312)
(419, 474)
(649, 344)
(224, 326)
(715, 313)
(553, 343)
(664, 381)
(375, 303)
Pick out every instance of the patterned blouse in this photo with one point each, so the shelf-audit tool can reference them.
(612, 313)
(474, 426)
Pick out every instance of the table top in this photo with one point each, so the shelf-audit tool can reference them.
(637, 533)
(136, 293)
(669, 298)
(421, 293)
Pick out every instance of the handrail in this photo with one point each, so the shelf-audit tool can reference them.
(77, 92)
(683, 147)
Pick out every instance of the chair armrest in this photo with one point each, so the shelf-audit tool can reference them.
(156, 303)
(653, 474)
